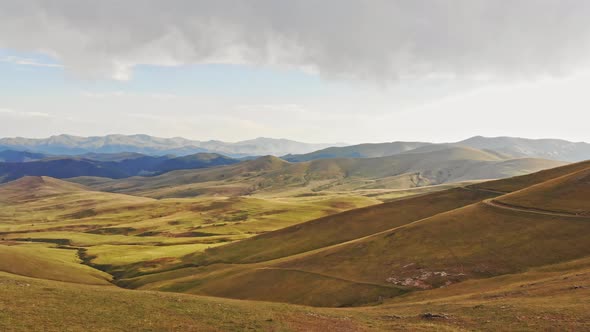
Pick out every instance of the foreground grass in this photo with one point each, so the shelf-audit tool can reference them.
(551, 298)
(40, 305)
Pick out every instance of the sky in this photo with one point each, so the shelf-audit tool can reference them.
(316, 71)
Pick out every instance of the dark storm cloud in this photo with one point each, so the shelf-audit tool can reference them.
(367, 39)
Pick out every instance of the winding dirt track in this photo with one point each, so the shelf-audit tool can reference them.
(500, 205)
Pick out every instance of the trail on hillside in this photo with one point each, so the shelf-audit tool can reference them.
(506, 206)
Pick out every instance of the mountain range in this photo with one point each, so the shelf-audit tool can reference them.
(145, 144)
(510, 147)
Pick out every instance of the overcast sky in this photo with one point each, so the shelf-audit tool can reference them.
(309, 70)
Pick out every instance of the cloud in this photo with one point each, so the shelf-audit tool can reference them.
(28, 62)
(13, 113)
(108, 95)
(378, 40)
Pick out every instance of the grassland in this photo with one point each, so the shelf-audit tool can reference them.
(552, 298)
(120, 233)
(472, 242)
(340, 228)
(510, 254)
(422, 242)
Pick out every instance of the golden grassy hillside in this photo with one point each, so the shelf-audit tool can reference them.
(468, 258)
(435, 248)
(339, 228)
(511, 184)
(46, 262)
(569, 194)
(471, 242)
(551, 298)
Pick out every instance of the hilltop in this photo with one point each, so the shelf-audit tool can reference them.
(36, 187)
(374, 150)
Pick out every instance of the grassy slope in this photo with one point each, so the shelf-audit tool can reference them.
(33, 187)
(478, 240)
(567, 194)
(471, 242)
(40, 305)
(520, 182)
(339, 228)
(303, 288)
(42, 261)
(549, 298)
(475, 241)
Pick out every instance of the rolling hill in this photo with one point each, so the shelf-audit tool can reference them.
(271, 174)
(425, 246)
(44, 262)
(32, 187)
(357, 151)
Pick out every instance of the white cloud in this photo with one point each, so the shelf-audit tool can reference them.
(120, 94)
(13, 113)
(28, 62)
(376, 40)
